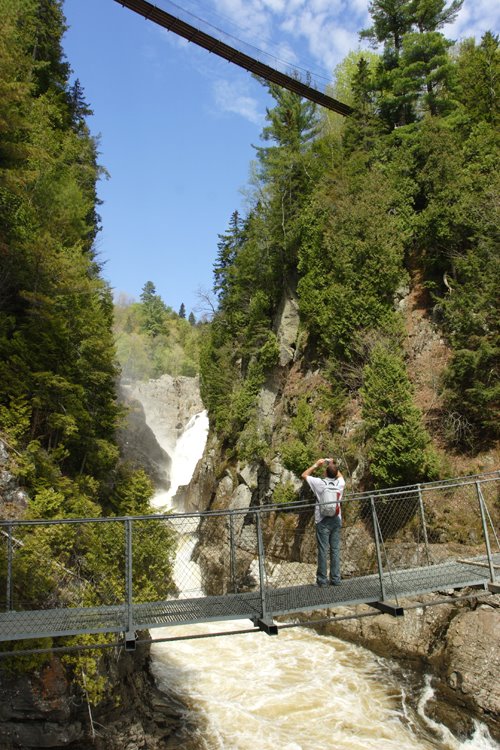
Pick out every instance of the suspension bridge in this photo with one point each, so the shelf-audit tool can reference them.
(250, 564)
(233, 55)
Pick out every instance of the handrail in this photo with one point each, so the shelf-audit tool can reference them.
(299, 505)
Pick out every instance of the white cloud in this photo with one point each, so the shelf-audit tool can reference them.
(251, 17)
(328, 39)
(474, 18)
(229, 97)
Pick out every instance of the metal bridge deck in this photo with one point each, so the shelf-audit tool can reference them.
(15, 625)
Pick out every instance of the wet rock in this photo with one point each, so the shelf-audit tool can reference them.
(168, 403)
(140, 447)
(471, 659)
(457, 642)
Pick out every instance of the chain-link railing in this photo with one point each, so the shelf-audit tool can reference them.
(122, 574)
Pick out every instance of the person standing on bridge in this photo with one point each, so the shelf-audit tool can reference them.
(328, 517)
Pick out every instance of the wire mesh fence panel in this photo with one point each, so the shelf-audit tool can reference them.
(77, 564)
(157, 547)
(453, 521)
(179, 552)
(244, 571)
(490, 492)
(289, 547)
(6, 552)
(358, 554)
(401, 528)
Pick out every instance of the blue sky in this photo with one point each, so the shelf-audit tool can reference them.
(177, 124)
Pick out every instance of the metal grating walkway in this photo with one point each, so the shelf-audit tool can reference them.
(244, 606)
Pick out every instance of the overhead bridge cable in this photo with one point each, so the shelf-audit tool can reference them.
(231, 54)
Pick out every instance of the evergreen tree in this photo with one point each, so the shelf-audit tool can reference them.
(154, 309)
(415, 68)
(392, 19)
(398, 447)
(364, 126)
(430, 15)
(228, 246)
(478, 73)
(182, 311)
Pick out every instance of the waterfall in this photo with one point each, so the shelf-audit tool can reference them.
(297, 691)
(187, 452)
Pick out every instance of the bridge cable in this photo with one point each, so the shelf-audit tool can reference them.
(170, 22)
(226, 34)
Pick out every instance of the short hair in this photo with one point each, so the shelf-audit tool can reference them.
(332, 469)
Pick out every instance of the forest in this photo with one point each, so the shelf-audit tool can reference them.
(344, 215)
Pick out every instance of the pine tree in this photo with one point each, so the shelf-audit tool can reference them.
(154, 309)
(364, 126)
(182, 311)
(228, 246)
(392, 19)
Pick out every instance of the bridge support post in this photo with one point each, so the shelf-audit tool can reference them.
(493, 584)
(267, 625)
(424, 526)
(8, 598)
(262, 570)
(232, 553)
(377, 547)
(128, 578)
(388, 609)
(129, 641)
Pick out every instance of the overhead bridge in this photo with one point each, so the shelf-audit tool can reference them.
(233, 55)
(252, 564)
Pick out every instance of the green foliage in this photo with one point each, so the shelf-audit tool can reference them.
(284, 493)
(352, 263)
(471, 381)
(15, 419)
(58, 371)
(154, 310)
(301, 446)
(297, 455)
(398, 445)
(131, 493)
(477, 73)
(17, 665)
(254, 441)
(151, 340)
(85, 667)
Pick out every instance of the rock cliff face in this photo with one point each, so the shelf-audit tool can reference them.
(45, 710)
(13, 498)
(168, 403)
(157, 413)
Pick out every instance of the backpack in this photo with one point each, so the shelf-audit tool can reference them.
(328, 501)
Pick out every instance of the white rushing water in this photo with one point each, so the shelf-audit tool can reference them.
(187, 452)
(297, 691)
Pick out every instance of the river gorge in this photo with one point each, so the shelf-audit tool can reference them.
(301, 691)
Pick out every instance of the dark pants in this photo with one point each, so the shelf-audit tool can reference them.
(328, 541)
